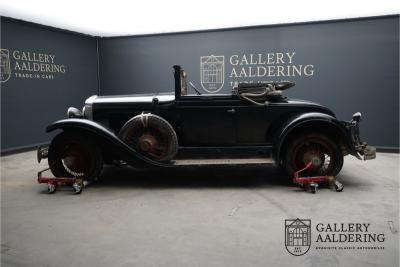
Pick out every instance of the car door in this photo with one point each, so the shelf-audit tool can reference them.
(205, 121)
(252, 122)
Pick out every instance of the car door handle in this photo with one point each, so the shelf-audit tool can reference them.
(232, 110)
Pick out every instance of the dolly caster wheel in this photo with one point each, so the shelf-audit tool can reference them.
(338, 186)
(313, 188)
(51, 188)
(77, 187)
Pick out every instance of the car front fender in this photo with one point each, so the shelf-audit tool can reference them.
(105, 137)
(308, 122)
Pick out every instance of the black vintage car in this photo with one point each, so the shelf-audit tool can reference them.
(159, 130)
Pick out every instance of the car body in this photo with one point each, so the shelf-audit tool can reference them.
(157, 130)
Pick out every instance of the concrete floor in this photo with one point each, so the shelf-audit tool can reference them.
(190, 216)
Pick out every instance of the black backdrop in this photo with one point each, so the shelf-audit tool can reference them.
(347, 65)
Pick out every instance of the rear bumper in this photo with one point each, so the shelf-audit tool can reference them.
(360, 149)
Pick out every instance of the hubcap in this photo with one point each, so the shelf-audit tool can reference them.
(316, 162)
(313, 157)
(147, 142)
(150, 142)
(316, 151)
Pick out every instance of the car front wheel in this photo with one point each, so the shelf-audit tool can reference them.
(325, 155)
(74, 155)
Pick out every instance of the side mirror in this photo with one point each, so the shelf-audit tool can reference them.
(357, 116)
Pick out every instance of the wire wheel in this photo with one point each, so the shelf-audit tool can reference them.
(325, 155)
(72, 155)
(75, 158)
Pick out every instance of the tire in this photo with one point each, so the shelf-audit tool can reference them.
(74, 155)
(326, 156)
(151, 136)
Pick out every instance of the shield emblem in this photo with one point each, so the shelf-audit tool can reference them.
(212, 73)
(5, 69)
(297, 236)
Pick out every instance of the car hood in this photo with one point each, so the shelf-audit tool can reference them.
(302, 102)
(306, 103)
(137, 98)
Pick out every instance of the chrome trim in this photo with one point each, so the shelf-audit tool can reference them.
(357, 117)
(74, 113)
(135, 99)
(90, 100)
(88, 108)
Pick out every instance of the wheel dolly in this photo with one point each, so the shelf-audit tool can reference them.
(312, 183)
(53, 182)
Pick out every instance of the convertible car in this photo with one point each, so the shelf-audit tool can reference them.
(255, 122)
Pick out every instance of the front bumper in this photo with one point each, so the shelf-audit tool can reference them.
(361, 149)
(366, 151)
(42, 153)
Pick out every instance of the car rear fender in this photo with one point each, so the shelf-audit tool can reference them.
(105, 138)
(308, 122)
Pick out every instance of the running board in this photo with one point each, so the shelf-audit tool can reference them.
(243, 152)
(224, 161)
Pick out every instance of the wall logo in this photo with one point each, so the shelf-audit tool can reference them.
(297, 236)
(212, 73)
(29, 65)
(255, 67)
(5, 66)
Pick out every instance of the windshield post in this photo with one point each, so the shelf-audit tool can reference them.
(177, 77)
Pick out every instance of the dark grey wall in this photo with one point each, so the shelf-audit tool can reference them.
(355, 65)
(28, 105)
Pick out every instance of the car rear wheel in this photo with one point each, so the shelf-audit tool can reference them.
(325, 156)
(151, 136)
(74, 155)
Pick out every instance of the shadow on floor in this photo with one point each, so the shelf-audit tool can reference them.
(189, 177)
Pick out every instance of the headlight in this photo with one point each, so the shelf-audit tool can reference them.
(357, 116)
(74, 113)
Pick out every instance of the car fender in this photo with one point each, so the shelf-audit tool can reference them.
(105, 135)
(300, 120)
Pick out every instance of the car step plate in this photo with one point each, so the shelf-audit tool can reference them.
(224, 161)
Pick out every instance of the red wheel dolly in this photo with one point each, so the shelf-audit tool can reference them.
(311, 183)
(54, 182)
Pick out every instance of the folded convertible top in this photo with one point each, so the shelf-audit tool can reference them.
(276, 85)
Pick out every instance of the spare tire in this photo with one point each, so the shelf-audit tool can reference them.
(151, 136)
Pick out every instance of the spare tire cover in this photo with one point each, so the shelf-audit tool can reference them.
(151, 136)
